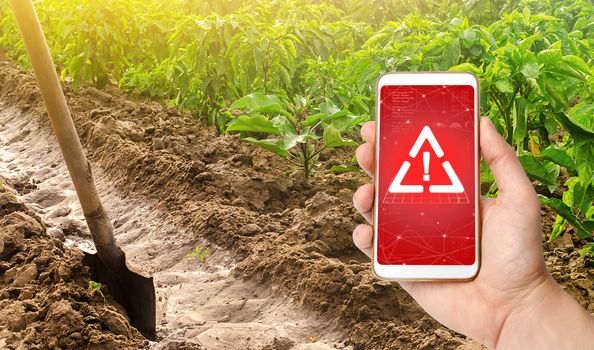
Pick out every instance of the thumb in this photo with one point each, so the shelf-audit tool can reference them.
(501, 158)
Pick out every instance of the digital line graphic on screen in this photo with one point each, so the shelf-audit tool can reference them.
(426, 175)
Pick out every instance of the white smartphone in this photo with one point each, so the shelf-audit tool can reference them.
(426, 212)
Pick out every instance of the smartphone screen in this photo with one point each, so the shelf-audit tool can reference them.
(426, 175)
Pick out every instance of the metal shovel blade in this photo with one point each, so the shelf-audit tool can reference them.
(135, 292)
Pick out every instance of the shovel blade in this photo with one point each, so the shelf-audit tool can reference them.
(133, 291)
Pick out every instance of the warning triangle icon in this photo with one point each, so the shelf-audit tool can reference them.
(426, 135)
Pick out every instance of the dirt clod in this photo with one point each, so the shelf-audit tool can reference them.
(45, 302)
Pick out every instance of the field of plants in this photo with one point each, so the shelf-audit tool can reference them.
(294, 80)
(297, 77)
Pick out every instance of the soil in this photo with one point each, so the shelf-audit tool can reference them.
(282, 272)
(45, 298)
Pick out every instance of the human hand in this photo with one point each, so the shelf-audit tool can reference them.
(513, 282)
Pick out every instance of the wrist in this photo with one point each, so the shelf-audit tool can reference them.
(546, 317)
(517, 322)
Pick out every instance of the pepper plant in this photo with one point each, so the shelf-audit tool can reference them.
(289, 129)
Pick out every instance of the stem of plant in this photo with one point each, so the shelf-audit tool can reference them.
(306, 158)
(293, 162)
(508, 126)
(317, 152)
(509, 122)
(265, 68)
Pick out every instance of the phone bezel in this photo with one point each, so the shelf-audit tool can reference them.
(429, 272)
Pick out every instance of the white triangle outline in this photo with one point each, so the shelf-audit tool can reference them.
(397, 186)
(426, 135)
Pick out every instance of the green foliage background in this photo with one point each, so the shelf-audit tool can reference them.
(297, 77)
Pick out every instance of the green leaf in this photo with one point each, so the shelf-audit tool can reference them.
(554, 170)
(504, 85)
(577, 63)
(328, 108)
(567, 196)
(332, 138)
(340, 169)
(451, 54)
(283, 125)
(361, 102)
(582, 115)
(331, 112)
(530, 70)
(308, 135)
(290, 139)
(486, 174)
(94, 285)
(536, 170)
(566, 70)
(551, 124)
(520, 118)
(312, 119)
(555, 92)
(550, 56)
(466, 67)
(468, 37)
(334, 116)
(560, 157)
(258, 102)
(282, 53)
(583, 151)
(558, 227)
(345, 122)
(285, 76)
(564, 211)
(584, 158)
(583, 195)
(253, 123)
(354, 121)
(587, 250)
(273, 145)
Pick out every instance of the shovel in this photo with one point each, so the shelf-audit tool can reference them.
(136, 293)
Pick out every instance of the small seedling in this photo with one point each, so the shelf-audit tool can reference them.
(94, 285)
(199, 254)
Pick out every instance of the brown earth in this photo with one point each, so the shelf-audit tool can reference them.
(284, 231)
(45, 298)
(200, 304)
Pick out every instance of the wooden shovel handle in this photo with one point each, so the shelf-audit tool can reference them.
(61, 120)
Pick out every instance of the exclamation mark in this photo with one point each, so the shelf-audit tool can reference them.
(425, 166)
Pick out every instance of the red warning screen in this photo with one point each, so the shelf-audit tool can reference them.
(426, 183)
